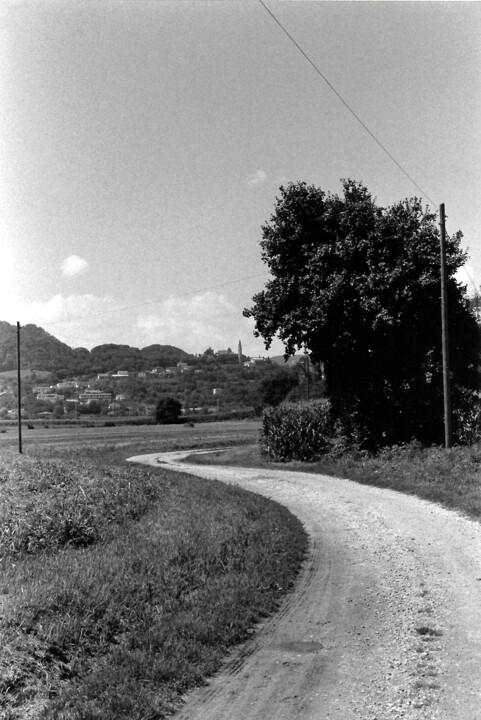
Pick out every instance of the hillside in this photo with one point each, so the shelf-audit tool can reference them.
(42, 351)
(39, 349)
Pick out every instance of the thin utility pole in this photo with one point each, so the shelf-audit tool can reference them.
(306, 365)
(19, 391)
(444, 330)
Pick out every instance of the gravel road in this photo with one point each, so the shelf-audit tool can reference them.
(384, 621)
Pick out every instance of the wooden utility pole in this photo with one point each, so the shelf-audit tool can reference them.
(444, 330)
(19, 392)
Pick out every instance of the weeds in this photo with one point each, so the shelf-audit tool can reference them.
(48, 504)
(122, 623)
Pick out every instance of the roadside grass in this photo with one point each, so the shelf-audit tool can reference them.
(451, 478)
(121, 588)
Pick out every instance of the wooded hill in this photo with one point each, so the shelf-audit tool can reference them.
(42, 351)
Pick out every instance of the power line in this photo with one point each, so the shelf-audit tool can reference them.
(154, 302)
(355, 115)
(349, 108)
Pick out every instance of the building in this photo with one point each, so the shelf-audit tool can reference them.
(67, 385)
(50, 397)
(184, 367)
(95, 395)
(121, 374)
(41, 389)
(254, 362)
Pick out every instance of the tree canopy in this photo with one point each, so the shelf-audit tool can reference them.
(168, 411)
(358, 286)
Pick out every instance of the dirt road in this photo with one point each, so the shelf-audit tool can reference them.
(384, 622)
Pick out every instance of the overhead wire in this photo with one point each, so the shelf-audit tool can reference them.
(350, 110)
(345, 103)
(155, 302)
(354, 114)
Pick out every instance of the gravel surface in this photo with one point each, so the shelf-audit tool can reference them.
(384, 621)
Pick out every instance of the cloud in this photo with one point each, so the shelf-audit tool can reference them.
(259, 178)
(193, 324)
(74, 265)
(196, 323)
(78, 320)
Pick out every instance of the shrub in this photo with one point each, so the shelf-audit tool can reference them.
(168, 411)
(467, 419)
(297, 431)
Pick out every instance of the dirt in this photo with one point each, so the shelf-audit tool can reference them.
(383, 623)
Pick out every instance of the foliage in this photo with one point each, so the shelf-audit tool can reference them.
(357, 285)
(297, 431)
(168, 411)
(48, 504)
(123, 627)
(42, 350)
(276, 385)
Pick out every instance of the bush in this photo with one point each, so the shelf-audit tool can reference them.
(168, 411)
(297, 431)
(467, 419)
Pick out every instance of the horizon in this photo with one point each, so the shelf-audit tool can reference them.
(144, 347)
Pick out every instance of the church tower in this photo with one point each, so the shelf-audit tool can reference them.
(239, 352)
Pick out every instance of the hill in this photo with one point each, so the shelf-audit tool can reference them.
(42, 351)
(39, 349)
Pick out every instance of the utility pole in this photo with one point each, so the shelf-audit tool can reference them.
(444, 330)
(306, 365)
(19, 392)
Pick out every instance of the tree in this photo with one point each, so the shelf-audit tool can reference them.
(357, 286)
(168, 411)
(276, 386)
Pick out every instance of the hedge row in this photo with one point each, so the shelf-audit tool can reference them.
(297, 431)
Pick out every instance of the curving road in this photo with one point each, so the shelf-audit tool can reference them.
(384, 621)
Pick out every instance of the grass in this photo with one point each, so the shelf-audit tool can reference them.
(451, 478)
(122, 587)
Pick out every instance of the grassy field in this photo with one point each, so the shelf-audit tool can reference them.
(121, 586)
(451, 478)
(158, 437)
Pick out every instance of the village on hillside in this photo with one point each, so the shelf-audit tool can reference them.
(210, 383)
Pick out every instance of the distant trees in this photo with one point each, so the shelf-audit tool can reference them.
(276, 386)
(168, 411)
(357, 286)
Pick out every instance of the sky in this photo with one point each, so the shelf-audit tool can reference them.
(143, 144)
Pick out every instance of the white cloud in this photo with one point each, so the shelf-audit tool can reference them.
(78, 320)
(259, 178)
(193, 324)
(74, 265)
(202, 321)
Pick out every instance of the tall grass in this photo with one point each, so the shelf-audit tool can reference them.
(450, 477)
(297, 431)
(46, 504)
(120, 624)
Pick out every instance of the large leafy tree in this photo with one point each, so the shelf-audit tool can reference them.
(168, 411)
(358, 287)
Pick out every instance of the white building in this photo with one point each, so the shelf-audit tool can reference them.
(97, 395)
